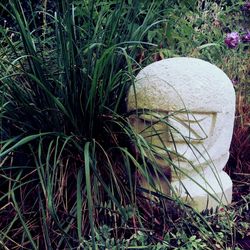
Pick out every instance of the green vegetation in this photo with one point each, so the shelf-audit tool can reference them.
(68, 168)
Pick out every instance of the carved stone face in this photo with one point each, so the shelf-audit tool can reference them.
(184, 107)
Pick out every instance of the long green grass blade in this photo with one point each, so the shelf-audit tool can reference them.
(22, 142)
(87, 159)
(26, 229)
(79, 202)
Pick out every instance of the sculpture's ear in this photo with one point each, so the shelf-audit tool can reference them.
(132, 119)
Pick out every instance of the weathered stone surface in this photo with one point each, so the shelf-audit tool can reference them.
(190, 103)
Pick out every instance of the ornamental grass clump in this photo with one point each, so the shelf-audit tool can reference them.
(65, 164)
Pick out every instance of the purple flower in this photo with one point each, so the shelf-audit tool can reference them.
(246, 37)
(246, 6)
(234, 81)
(232, 40)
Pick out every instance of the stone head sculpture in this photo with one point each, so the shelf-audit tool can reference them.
(184, 107)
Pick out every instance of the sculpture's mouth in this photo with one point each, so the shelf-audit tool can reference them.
(180, 167)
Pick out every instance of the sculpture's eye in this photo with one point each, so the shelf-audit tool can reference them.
(152, 126)
(174, 127)
(191, 127)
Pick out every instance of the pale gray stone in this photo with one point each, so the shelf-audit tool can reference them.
(197, 102)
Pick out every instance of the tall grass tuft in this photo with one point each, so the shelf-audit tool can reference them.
(65, 71)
